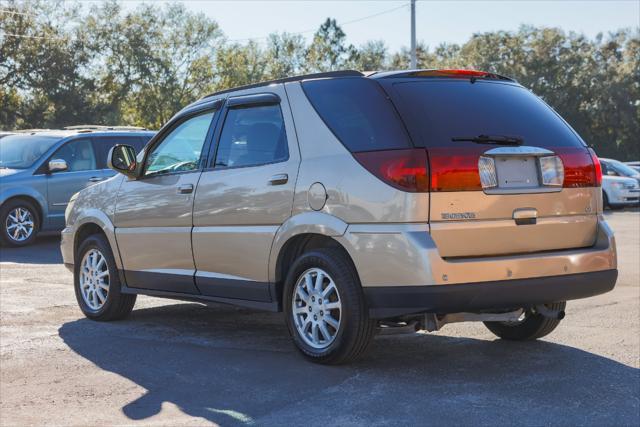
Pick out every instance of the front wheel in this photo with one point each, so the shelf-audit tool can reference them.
(530, 327)
(96, 282)
(20, 223)
(326, 312)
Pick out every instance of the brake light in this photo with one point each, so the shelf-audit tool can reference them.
(403, 169)
(455, 168)
(597, 167)
(451, 73)
(581, 168)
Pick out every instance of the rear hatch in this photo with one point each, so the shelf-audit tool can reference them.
(507, 174)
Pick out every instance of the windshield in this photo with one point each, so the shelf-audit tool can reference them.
(444, 112)
(622, 169)
(21, 151)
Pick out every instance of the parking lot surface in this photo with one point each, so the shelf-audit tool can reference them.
(175, 363)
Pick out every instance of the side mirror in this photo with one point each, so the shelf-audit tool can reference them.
(122, 158)
(57, 165)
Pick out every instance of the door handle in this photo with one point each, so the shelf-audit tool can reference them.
(279, 179)
(96, 179)
(185, 189)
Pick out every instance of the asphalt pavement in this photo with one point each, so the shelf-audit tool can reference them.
(174, 363)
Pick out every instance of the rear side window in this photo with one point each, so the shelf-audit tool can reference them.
(437, 110)
(103, 144)
(358, 112)
(252, 136)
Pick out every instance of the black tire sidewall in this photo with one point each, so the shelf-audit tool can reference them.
(4, 212)
(348, 287)
(97, 242)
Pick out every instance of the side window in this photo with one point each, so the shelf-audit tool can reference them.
(78, 154)
(252, 136)
(102, 145)
(180, 150)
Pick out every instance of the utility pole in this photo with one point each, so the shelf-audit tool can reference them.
(414, 62)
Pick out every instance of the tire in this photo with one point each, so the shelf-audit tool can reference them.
(115, 305)
(533, 326)
(20, 212)
(354, 332)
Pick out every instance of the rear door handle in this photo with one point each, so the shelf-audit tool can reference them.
(185, 189)
(96, 179)
(279, 179)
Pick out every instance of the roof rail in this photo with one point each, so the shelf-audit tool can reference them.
(103, 127)
(341, 73)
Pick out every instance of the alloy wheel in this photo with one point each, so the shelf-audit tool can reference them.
(19, 224)
(94, 279)
(316, 308)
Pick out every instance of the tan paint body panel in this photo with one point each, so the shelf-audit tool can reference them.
(565, 220)
(406, 255)
(236, 212)
(153, 223)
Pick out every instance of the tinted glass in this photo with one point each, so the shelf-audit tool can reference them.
(78, 154)
(438, 110)
(21, 151)
(358, 112)
(252, 136)
(103, 144)
(180, 150)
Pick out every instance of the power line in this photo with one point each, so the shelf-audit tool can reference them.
(353, 21)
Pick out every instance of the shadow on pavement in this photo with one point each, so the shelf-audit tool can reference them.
(234, 366)
(45, 250)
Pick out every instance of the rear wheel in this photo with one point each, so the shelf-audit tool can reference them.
(96, 282)
(20, 223)
(326, 312)
(530, 327)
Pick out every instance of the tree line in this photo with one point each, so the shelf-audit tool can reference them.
(66, 63)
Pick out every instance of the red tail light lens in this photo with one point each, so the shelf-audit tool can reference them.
(403, 169)
(597, 166)
(581, 168)
(455, 168)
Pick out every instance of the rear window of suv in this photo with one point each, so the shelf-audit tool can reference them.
(437, 110)
(358, 113)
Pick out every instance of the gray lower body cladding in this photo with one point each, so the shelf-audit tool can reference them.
(392, 301)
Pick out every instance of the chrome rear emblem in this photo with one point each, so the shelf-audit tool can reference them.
(458, 215)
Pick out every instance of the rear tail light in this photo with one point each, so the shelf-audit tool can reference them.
(597, 167)
(551, 171)
(403, 169)
(466, 169)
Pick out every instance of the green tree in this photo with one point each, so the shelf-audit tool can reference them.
(329, 50)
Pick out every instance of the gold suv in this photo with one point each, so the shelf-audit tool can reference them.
(354, 204)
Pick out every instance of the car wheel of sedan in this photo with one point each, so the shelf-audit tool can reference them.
(326, 312)
(97, 284)
(20, 223)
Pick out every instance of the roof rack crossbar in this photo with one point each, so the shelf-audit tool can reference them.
(342, 73)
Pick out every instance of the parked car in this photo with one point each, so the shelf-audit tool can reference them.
(41, 170)
(3, 134)
(353, 203)
(634, 165)
(620, 184)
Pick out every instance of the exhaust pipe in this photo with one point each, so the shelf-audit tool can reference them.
(547, 312)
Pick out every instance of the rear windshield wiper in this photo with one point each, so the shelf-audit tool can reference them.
(490, 139)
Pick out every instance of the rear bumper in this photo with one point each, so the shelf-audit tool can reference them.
(392, 301)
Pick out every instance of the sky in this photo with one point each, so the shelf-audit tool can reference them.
(436, 21)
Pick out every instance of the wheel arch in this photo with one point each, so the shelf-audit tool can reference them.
(96, 223)
(300, 236)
